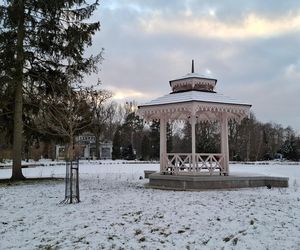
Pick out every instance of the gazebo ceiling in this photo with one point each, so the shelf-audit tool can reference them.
(194, 95)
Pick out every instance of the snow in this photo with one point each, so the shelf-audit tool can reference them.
(192, 75)
(190, 96)
(118, 212)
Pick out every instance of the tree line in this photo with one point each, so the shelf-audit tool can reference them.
(60, 119)
(250, 140)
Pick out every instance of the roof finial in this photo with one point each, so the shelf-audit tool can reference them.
(193, 66)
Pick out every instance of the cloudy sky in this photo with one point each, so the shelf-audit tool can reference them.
(251, 47)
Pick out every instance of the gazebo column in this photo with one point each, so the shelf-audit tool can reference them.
(163, 143)
(193, 125)
(224, 142)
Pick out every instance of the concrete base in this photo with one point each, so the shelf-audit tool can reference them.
(147, 173)
(203, 182)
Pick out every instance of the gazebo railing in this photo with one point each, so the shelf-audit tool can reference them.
(183, 163)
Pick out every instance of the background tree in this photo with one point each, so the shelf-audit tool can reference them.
(116, 151)
(145, 148)
(154, 139)
(42, 45)
(208, 136)
(66, 116)
(101, 114)
(132, 133)
(291, 145)
(112, 122)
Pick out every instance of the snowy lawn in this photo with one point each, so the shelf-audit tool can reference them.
(117, 212)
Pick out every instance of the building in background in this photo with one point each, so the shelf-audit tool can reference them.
(85, 148)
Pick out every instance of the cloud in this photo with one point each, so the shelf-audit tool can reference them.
(292, 73)
(251, 47)
(125, 94)
(252, 26)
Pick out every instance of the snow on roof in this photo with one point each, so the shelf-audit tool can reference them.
(193, 75)
(198, 96)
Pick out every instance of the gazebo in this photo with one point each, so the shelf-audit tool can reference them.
(194, 99)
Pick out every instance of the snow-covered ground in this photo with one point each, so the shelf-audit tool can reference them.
(117, 212)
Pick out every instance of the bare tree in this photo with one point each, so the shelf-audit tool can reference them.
(100, 113)
(66, 116)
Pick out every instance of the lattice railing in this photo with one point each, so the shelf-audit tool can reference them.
(184, 163)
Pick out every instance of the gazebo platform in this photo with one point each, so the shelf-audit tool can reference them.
(204, 182)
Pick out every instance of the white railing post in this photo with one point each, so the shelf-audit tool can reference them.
(193, 125)
(224, 143)
(163, 146)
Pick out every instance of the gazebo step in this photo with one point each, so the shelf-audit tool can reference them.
(203, 182)
(147, 173)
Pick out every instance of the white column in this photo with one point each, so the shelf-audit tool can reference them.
(163, 143)
(224, 142)
(193, 125)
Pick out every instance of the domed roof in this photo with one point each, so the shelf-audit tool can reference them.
(193, 81)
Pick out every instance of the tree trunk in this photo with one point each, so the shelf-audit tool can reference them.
(52, 151)
(97, 146)
(71, 148)
(18, 123)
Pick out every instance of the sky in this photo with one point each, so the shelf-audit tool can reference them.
(251, 47)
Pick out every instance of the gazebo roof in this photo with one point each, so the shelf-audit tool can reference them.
(193, 75)
(194, 95)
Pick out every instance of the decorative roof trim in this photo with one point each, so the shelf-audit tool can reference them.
(203, 111)
(192, 77)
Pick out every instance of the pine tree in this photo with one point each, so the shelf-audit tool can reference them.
(146, 148)
(42, 47)
(131, 132)
(169, 137)
(116, 151)
(127, 152)
(154, 140)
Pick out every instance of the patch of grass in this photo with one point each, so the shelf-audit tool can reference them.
(137, 232)
(154, 230)
(164, 233)
(205, 242)
(228, 238)
(234, 241)
(47, 247)
(142, 239)
(159, 216)
(111, 237)
(80, 239)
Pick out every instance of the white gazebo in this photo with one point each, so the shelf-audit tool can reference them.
(194, 99)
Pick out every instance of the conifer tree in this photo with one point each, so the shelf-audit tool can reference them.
(145, 148)
(154, 140)
(116, 152)
(41, 48)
